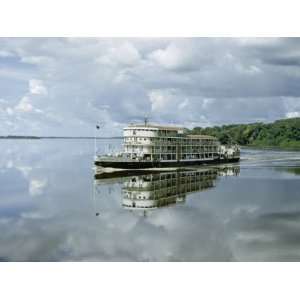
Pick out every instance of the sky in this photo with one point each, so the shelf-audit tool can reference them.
(65, 86)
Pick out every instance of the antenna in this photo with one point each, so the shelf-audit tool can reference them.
(97, 127)
(146, 120)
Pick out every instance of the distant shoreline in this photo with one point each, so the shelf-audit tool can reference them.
(254, 147)
(58, 137)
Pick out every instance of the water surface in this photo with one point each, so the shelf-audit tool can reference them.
(53, 209)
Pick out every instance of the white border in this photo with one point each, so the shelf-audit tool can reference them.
(155, 18)
(149, 281)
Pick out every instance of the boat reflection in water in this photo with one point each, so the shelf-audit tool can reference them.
(147, 190)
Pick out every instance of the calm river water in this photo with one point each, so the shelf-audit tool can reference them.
(53, 209)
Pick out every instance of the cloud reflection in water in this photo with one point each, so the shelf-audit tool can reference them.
(252, 216)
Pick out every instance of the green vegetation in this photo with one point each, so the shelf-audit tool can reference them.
(295, 170)
(283, 134)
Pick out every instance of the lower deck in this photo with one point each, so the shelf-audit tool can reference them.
(135, 164)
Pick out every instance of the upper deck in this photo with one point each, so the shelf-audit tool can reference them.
(149, 130)
(158, 131)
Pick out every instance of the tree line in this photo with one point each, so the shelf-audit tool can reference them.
(284, 134)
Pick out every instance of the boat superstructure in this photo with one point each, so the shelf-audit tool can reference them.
(156, 146)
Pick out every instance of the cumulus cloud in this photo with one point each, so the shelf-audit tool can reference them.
(184, 103)
(125, 55)
(171, 57)
(35, 60)
(160, 99)
(37, 87)
(182, 56)
(24, 105)
(37, 186)
(4, 53)
(293, 114)
(206, 102)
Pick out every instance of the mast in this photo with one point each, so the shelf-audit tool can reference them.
(95, 139)
(146, 120)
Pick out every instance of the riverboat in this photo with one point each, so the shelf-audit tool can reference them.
(148, 146)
